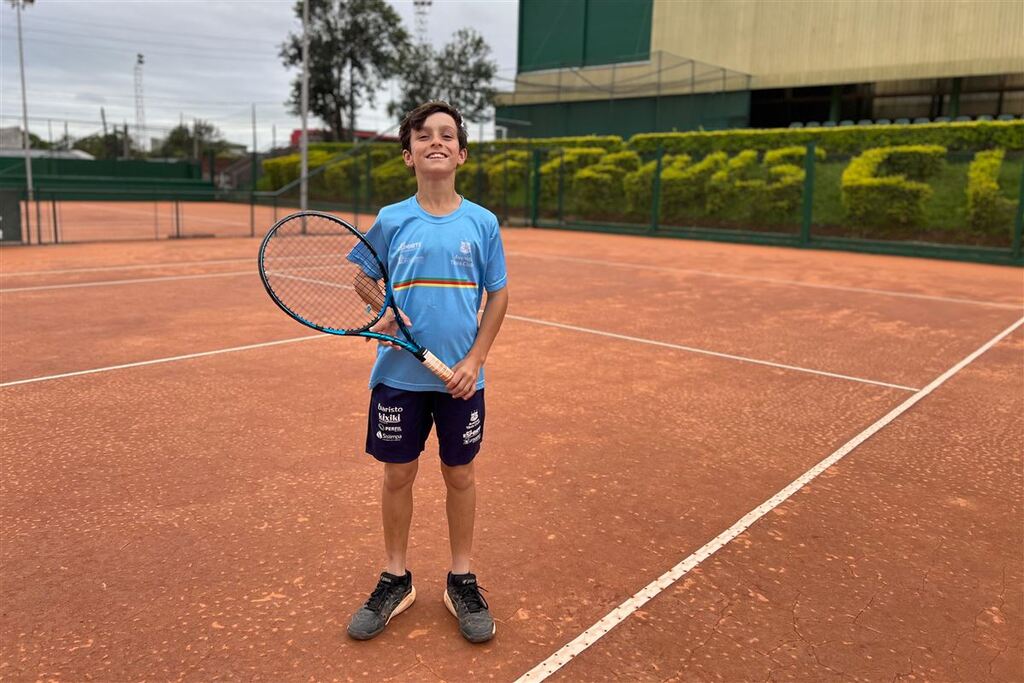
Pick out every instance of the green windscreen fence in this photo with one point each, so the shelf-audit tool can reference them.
(570, 33)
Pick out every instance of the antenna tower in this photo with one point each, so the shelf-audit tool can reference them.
(422, 14)
(140, 112)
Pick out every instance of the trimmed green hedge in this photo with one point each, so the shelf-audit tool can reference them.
(874, 198)
(683, 189)
(844, 140)
(791, 155)
(638, 186)
(987, 210)
(567, 162)
(393, 181)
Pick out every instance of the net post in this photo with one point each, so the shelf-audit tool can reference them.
(656, 191)
(1018, 222)
(808, 203)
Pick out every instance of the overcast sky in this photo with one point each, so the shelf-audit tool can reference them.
(208, 59)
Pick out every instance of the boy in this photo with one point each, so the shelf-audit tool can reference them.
(442, 251)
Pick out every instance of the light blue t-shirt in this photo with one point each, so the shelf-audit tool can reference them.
(439, 267)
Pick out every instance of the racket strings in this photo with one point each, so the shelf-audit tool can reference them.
(317, 269)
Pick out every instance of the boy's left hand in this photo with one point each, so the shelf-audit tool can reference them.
(463, 382)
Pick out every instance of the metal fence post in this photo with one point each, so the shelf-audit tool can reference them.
(656, 191)
(808, 203)
(535, 189)
(561, 186)
(252, 214)
(1018, 223)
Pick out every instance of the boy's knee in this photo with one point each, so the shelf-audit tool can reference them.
(399, 476)
(459, 478)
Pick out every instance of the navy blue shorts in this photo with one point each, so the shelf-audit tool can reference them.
(399, 423)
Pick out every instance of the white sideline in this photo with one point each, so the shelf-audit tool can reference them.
(774, 281)
(571, 259)
(572, 649)
(134, 266)
(157, 361)
(142, 280)
(692, 349)
(534, 321)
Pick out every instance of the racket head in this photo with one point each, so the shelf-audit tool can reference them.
(321, 271)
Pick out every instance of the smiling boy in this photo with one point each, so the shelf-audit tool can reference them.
(442, 253)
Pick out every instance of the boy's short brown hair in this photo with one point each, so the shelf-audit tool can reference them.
(414, 121)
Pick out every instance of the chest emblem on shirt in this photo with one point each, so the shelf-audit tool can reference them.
(465, 247)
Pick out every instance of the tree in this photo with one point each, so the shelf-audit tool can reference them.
(354, 45)
(181, 141)
(109, 146)
(460, 74)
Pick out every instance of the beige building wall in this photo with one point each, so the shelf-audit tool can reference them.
(793, 43)
(784, 43)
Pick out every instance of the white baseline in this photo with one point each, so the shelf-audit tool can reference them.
(573, 648)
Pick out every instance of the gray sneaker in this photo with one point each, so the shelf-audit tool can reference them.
(463, 600)
(392, 596)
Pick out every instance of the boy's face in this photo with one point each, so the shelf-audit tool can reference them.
(434, 148)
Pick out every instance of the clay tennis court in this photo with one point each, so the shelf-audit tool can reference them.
(702, 462)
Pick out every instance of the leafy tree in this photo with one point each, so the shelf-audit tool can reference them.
(180, 142)
(109, 146)
(460, 74)
(354, 45)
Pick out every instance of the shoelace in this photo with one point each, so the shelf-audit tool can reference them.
(469, 595)
(378, 595)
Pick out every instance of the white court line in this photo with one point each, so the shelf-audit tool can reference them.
(706, 352)
(163, 360)
(534, 321)
(616, 264)
(104, 283)
(572, 649)
(138, 266)
(774, 281)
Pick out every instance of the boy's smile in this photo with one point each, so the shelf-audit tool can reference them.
(435, 146)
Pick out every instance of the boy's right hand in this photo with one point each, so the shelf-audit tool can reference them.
(389, 326)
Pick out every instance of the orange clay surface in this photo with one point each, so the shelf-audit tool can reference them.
(215, 517)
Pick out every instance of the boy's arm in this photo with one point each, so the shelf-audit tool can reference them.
(467, 370)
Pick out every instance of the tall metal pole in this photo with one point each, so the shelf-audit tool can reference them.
(304, 139)
(254, 175)
(24, 118)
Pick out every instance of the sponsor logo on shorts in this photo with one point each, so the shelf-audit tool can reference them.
(472, 435)
(388, 437)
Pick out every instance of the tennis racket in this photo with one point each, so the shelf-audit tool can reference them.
(322, 272)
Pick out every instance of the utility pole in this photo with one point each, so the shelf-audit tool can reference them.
(26, 140)
(127, 146)
(254, 175)
(304, 139)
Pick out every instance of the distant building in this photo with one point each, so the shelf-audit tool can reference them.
(618, 67)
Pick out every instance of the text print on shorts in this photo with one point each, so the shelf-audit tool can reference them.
(473, 429)
(389, 419)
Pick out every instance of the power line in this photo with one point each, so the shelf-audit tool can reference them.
(148, 30)
(129, 50)
(137, 40)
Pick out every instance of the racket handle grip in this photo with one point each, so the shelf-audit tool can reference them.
(437, 367)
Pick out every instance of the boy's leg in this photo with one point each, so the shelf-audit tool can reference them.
(396, 512)
(460, 426)
(460, 505)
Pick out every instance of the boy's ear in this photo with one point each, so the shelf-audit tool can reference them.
(463, 155)
(407, 157)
